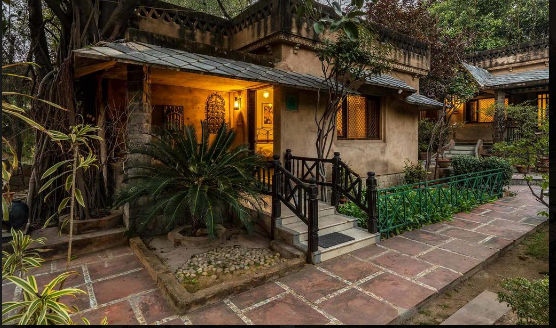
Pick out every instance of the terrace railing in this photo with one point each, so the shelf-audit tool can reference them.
(413, 204)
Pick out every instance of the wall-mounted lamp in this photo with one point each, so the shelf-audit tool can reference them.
(266, 94)
(237, 103)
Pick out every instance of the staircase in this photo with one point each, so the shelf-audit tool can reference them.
(293, 231)
(301, 220)
(461, 149)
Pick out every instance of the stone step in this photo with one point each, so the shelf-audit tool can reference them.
(362, 238)
(482, 310)
(112, 220)
(57, 244)
(287, 216)
(461, 152)
(297, 230)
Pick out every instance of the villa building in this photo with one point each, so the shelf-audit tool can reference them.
(259, 73)
(510, 75)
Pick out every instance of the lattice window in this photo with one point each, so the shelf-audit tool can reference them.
(542, 102)
(482, 110)
(359, 118)
(214, 112)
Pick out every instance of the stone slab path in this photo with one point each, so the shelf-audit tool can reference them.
(482, 310)
(378, 284)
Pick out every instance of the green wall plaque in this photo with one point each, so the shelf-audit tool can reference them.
(291, 102)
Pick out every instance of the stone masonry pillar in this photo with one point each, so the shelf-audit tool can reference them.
(138, 125)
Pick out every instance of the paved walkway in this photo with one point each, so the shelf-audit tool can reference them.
(373, 285)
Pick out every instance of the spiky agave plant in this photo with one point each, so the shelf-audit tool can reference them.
(194, 180)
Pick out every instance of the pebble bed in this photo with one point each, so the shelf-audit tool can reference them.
(224, 261)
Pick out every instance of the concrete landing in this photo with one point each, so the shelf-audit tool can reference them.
(482, 310)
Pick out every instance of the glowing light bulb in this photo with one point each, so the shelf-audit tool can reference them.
(266, 94)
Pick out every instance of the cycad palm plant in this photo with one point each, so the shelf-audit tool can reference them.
(200, 181)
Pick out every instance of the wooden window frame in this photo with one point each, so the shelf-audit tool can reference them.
(345, 120)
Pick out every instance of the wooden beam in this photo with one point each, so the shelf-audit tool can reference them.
(86, 70)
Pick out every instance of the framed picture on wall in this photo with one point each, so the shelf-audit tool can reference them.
(268, 115)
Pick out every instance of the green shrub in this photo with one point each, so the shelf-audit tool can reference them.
(414, 173)
(463, 164)
(528, 299)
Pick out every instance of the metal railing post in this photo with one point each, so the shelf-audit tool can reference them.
(372, 212)
(288, 160)
(313, 218)
(276, 206)
(335, 198)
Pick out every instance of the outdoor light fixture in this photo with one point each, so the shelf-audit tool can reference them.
(266, 94)
(237, 103)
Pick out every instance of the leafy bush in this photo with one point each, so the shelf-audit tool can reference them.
(392, 220)
(194, 181)
(528, 299)
(22, 257)
(414, 173)
(463, 164)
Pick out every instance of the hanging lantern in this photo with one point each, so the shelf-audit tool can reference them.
(214, 112)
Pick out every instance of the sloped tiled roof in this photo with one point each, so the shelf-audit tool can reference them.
(143, 53)
(420, 100)
(487, 80)
(388, 81)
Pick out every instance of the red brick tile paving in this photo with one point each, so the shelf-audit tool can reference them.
(286, 311)
(425, 237)
(312, 283)
(497, 242)
(174, 322)
(464, 234)
(439, 278)
(119, 287)
(113, 266)
(475, 250)
(404, 245)
(71, 281)
(401, 264)
(256, 295)
(473, 217)
(132, 297)
(353, 308)
(435, 227)
(368, 251)
(450, 260)
(500, 231)
(349, 268)
(396, 290)
(466, 224)
(215, 314)
(80, 301)
(120, 313)
(154, 307)
(8, 292)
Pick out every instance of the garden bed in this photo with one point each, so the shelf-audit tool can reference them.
(190, 276)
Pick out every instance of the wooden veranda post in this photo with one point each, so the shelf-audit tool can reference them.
(335, 198)
(276, 209)
(313, 217)
(372, 212)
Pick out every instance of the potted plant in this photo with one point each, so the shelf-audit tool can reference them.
(522, 168)
(443, 162)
